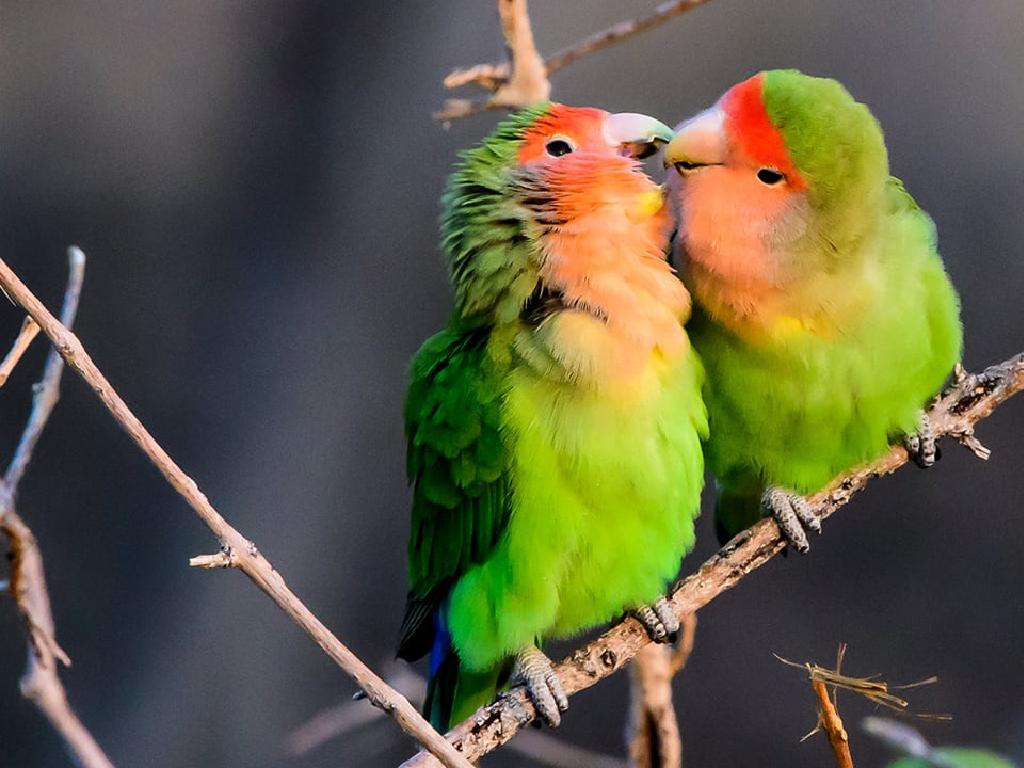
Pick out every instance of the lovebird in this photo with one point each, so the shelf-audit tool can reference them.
(554, 426)
(823, 313)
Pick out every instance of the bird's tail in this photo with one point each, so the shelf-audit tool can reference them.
(454, 693)
(735, 511)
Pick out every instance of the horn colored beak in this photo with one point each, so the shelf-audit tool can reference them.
(636, 135)
(699, 142)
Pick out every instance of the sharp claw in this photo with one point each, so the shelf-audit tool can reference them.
(555, 686)
(792, 513)
(533, 669)
(659, 620)
(805, 513)
(667, 615)
(921, 444)
(645, 615)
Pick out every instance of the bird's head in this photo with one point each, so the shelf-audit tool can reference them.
(545, 173)
(784, 172)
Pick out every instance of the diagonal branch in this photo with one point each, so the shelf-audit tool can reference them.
(29, 330)
(41, 684)
(524, 80)
(237, 551)
(970, 399)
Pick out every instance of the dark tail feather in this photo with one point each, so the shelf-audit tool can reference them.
(453, 694)
(735, 511)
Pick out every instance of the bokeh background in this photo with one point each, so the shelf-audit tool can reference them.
(256, 184)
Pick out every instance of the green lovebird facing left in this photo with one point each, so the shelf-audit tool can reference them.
(554, 426)
(823, 315)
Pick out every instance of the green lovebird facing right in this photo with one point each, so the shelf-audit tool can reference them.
(554, 426)
(823, 314)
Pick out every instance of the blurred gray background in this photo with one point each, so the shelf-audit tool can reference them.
(256, 185)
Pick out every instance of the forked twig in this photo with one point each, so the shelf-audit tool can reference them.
(41, 683)
(525, 79)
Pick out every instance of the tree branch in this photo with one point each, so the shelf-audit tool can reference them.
(832, 724)
(238, 551)
(41, 684)
(525, 80)
(970, 399)
(652, 733)
(29, 330)
(520, 84)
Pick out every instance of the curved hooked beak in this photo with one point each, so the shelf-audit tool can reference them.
(699, 142)
(635, 135)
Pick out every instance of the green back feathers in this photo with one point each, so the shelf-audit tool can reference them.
(482, 227)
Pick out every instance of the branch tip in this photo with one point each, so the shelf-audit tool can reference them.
(209, 562)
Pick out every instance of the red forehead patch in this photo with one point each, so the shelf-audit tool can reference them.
(751, 131)
(583, 126)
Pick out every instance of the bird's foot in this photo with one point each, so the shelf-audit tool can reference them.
(659, 620)
(535, 670)
(793, 515)
(921, 445)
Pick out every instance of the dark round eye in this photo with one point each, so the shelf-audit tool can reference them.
(685, 167)
(558, 147)
(770, 176)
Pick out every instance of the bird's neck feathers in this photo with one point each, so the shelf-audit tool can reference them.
(781, 275)
(622, 306)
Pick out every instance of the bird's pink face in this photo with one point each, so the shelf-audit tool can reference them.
(738, 194)
(581, 159)
(602, 229)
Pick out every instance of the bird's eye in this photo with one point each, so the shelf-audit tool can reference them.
(558, 147)
(686, 167)
(770, 177)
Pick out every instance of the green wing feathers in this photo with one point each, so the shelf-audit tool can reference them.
(457, 463)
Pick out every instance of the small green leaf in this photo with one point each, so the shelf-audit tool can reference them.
(955, 757)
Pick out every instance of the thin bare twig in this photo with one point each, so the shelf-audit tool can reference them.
(969, 400)
(872, 688)
(29, 330)
(344, 718)
(684, 648)
(41, 684)
(503, 80)
(527, 84)
(239, 551)
(652, 731)
(828, 713)
(351, 716)
(832, 724)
